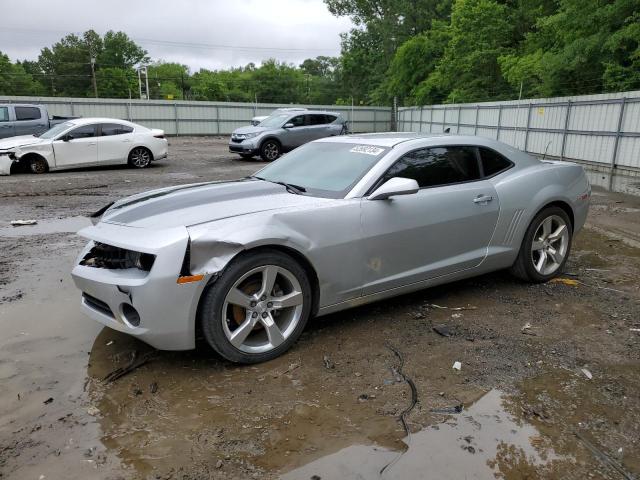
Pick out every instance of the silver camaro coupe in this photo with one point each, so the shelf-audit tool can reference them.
(336, 223)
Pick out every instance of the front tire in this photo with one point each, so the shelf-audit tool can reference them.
(545, 247)
(140, 157)
(258, 308)
(270, 150)
(38, 165)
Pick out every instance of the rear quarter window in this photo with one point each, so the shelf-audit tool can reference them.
(493, 163)
(27, 113)
(4, 114)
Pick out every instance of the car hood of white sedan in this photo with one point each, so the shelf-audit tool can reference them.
(190, 205)
(20, 141)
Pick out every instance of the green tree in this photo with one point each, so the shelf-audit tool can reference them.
(168, 80)
(116, 82)
(585, 46)
(15, 80)
(119, 51)
(413, 63)
(480, 32)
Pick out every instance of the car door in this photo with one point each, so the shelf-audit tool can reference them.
(30, 120)
(114, 142)
(295, 135)
(77, 147)
(6, 125)
(318, 126)
(444, 228)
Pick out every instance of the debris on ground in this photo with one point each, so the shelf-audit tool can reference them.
(20, 223)
(457, 365)
(456, 315)
(328, 364)
(565, 281)
(291, 368)
(634, 329)
(448, 410)
(526, 329)
(586, 373)
(135, 362)
(48, 401)
(153, 388)
(109, 343)
(443, 330)
(93, 411)
(433, 305)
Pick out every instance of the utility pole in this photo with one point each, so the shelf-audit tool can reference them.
(93, 76)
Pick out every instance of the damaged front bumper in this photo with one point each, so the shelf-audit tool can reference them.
(7, 158)
(150, 305)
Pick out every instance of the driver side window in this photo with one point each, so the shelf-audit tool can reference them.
(433, 167)
(85, 131)
(297, 121)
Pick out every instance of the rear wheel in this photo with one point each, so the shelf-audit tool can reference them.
(258, 308)
(545, 247)
(140, 157)
(38, 164)
(270, 150)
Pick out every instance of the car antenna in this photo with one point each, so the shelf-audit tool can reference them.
(546, 148)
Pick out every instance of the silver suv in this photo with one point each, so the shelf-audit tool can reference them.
(282, 131)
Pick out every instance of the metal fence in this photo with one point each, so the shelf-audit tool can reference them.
(600, 130)
(196, 118)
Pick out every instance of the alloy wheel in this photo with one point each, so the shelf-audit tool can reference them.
(271, 151)
(550, 245)
(140, 157)
(262, 309)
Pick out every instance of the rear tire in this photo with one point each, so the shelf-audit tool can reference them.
(140, 157)
(38, 165)
(545, 247)
(270, 150)
(257, 309)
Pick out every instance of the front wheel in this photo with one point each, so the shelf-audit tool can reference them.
(38, 165)
(140, 157)
(545, 247)
(258, 308)
(270, 150)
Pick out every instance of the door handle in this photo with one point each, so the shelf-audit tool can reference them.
(483, 199)
(91, 144)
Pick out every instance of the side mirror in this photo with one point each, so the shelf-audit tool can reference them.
(65, 138)
(288, 125)
(395, 186)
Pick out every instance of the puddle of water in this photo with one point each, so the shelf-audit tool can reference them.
(483, 442)
(47, 227)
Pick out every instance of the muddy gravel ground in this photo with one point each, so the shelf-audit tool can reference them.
(549, 385)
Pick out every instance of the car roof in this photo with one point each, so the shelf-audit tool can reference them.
(391, 139)
(90, 120)
(383, 139)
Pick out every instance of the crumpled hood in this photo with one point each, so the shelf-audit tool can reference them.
(250, 129)
(20, 141)
(189, 205)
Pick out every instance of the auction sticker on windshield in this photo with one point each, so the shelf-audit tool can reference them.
(367, 150)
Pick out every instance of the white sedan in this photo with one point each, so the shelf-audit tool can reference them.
(85, 142)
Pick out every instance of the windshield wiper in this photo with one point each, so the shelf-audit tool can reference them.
(297, 189)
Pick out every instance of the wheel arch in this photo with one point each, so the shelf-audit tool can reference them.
(560, 204)
(298, 256)
(140, 146)
(270, 137)
(27, 157)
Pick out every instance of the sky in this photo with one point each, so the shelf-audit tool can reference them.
(210, 34)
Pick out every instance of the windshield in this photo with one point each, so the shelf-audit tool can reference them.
(56, 129)
(275, 120)
(324, 169)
